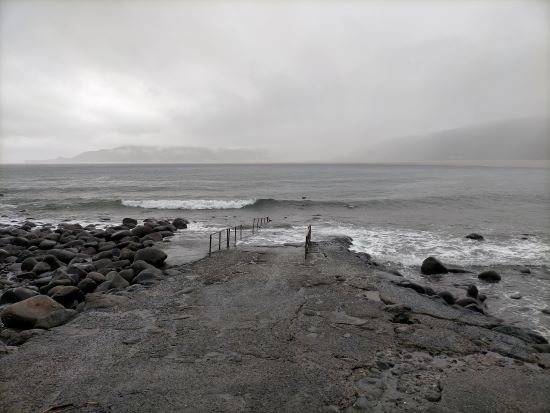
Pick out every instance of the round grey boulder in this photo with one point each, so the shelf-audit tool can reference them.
(490, 276)
(431, 266)
(151, 255)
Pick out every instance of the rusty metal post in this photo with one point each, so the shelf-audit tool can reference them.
(241, 232)
(210, 247)
(219, 241)
(235, 235)
(253, 222)
(228, 234)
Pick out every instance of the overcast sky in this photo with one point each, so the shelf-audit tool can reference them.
(307, 80)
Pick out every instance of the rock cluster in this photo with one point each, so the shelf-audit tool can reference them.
(53, 270)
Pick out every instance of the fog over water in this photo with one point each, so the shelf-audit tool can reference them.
(302, 81)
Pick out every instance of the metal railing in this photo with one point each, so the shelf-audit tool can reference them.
(308, 241)
(257, 223)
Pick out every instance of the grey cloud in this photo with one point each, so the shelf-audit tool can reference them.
(305, 80)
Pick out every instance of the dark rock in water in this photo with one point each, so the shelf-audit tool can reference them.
(463, 302)
(458, 271)
(36, 312)
(431, 266)
(66, 294)
(474, 307)
(129, 221)
(521, 333)
(14, 295)
(141, 230)
(394, 272)
(47, 244)
(447, 296)
(41, 267)
(180, 223)
(472, 291)
(515, 296)
(489, 276)
(416, 287)
(475, 236)
(525, 270)
(146, 277)
(151, 255)
(429, 291)
(87, 285)
(546, 311)
(28, 264)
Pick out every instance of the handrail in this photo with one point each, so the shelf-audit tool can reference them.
(257, 223)
(308, 241)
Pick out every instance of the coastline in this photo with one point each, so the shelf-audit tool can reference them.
(259, 329)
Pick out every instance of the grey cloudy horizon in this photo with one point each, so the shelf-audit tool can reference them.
(309, 80)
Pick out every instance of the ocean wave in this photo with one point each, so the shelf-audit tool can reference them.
(188, 204)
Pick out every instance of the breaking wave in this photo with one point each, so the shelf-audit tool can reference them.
(189, 203)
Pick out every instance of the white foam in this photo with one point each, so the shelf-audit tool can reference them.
(411, 247)
(188, 203)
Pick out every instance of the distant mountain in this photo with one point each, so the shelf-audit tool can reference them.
(154, 154)
(518, 139)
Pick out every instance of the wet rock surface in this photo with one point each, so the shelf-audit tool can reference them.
(264, 330)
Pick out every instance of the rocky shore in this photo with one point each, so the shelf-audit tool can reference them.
(249, 329)
(47, 273)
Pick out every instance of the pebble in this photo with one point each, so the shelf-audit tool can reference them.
(516, 296)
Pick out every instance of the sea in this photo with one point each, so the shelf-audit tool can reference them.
(399, 214)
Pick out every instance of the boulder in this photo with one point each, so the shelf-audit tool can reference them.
(20, 241)
(14, 295)
(97, 277)
(63, 255)
(146, 277)
(127, 274)
(47, 244)
(28, 264)
(120, 234)
(41, 267)
(53, 262)
(154, 236)
(126, 254)
(116, 280)
(36, 312)
(463, 302)
(475, 236)
(447, 296)
(129, 222)
(95, 301)
(180, 223)
(472, 291)
(432, 266)
(151, 255)
(87, 285)
(489, 276)
(66, 294)
(141, 230)
(106, 246)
